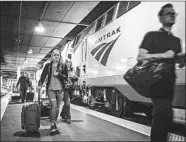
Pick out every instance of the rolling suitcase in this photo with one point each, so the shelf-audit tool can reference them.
(29, 97)
(30, 116)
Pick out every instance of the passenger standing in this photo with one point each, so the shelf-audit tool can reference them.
(24, 82)
(54, 85)
(163, 45)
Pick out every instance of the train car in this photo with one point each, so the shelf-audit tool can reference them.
(105, 50)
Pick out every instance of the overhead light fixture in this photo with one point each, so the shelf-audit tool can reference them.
(25, 61)
(30, 51)
(39, 28)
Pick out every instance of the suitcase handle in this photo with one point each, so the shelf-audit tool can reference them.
(39, 97)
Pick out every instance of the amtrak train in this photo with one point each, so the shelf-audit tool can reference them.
(105, 50)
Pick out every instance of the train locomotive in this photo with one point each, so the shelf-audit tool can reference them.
(105, 50)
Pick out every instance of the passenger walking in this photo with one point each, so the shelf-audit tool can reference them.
(73, 78)
(29, 80)
(23, 81)
(65, 113)
(162, 44)
(54, 86)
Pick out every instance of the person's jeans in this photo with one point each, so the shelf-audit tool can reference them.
(65, 113)
(23, 94)
(55, 99)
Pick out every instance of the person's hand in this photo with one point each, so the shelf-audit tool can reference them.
(169, 54)
(180, 59)
(55, 73)
(181, 65)
(180, 54)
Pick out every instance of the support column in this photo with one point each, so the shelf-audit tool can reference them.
(18, 72)
(1, 82)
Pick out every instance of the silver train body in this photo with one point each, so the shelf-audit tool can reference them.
(103, 54)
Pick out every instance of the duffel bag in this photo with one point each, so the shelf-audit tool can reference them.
(145, 74)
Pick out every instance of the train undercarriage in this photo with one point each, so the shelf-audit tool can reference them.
(111, 100)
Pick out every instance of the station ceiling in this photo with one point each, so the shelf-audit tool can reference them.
(62, 21)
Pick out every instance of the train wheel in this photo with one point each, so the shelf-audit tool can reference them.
(126, 107)
(115, 112)
(91, 104)
(116, 105)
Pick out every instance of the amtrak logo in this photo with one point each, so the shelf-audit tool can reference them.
(107, 47)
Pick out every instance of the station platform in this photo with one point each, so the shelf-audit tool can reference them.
(87, 125)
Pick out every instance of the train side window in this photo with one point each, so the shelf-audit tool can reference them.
(92, 28)
(133, 4)
(125, 6)
(99, 23)
(122, 8)
(77, 39)
(109, 16)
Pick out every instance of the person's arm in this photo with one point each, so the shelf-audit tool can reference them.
(181, 59)
(144, 54)
(147, 46)
(18, 82)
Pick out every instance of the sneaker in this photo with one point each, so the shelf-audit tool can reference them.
(52, 129)
(68, 121)
(62, 116)
(55, 128)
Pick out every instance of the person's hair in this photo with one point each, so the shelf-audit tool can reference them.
(169, 5)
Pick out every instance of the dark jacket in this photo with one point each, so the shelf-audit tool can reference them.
(47, 71)
(24, 82)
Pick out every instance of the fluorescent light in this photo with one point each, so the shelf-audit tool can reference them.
(26, 62)
(30, 51)
(39, 28)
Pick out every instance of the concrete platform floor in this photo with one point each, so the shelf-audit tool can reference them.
(84, 127)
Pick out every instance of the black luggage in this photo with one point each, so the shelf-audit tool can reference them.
(30, 116)
(145, 74)
(29, 96)
(45, 107)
